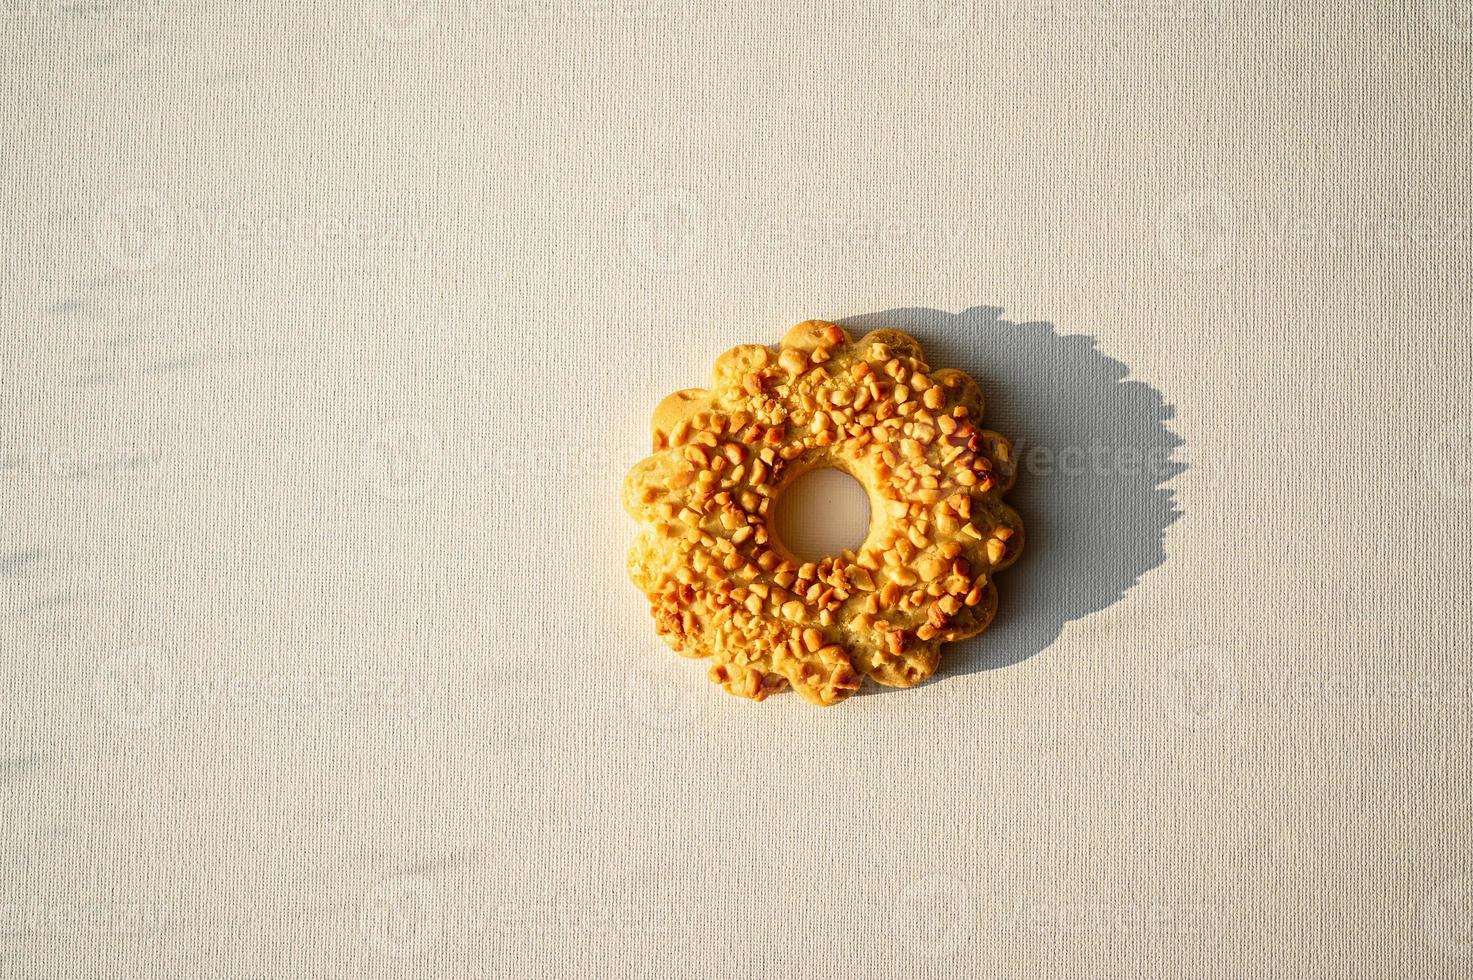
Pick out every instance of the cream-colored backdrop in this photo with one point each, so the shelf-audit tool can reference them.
(330, 330)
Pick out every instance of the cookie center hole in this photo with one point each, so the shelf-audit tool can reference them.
(821, 513)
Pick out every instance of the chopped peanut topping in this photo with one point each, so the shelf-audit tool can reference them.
(792, 361)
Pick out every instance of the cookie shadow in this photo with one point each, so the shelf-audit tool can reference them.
(1095, 454)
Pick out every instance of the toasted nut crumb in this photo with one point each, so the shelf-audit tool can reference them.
(831, 655)
(995, 550)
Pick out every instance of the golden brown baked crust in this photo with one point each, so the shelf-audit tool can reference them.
(720, 584)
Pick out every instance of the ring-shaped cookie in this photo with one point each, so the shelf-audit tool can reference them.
(720, 583)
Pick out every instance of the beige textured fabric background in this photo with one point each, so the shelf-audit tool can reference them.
(330, 331)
